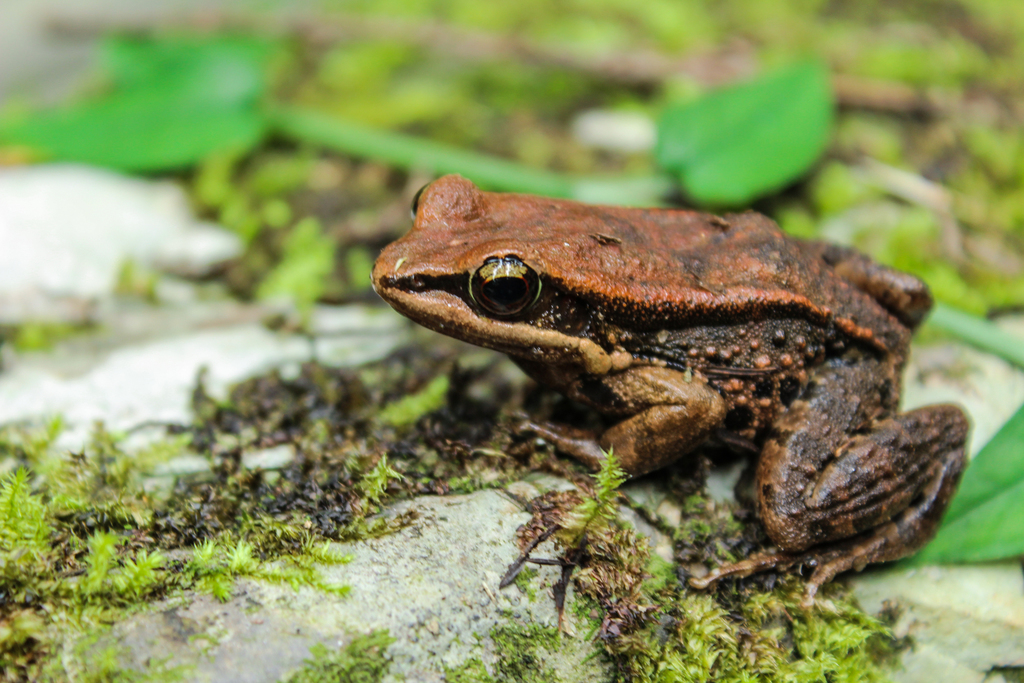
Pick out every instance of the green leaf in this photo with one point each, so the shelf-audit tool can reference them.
(985, 520)
(742, 142)
(172, 102)
(981, 333)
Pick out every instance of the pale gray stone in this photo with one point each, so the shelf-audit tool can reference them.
(269, 458)
(153, 381)
(617, 131)
(964, 620)
(67, 230)
(197, 251)
(432, 585)
(989, 388)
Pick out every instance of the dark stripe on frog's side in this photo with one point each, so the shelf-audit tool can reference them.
(733, 350)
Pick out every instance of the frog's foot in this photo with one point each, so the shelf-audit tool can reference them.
(581, 444)
(827, 563)
(889, 541)
(755, 564)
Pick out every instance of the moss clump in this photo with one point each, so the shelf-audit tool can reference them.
(82, 541)
(470, 671)
(521, 649)
(524, 582)
(39, 335)
(754, 635)
(657, 630)
(406, 410)
(363, 660)
(90, 663)
(307, 260)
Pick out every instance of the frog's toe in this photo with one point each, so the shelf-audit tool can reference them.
(738, 570)
(581, 444)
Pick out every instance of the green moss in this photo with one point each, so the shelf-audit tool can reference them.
(708, 642)
(406, 411)
(521, 650)
(92, 663)
(40, 335)
(836, 188)
(598, 510)
(77, 548)
(135, 280)
(796, 221)
(278, 173)
(524, 582)
(656, 629)
(28, 444)
(375, 482)
(358, 267)
(470, 671)
(364, 659)
(662, 574)
(306, 261)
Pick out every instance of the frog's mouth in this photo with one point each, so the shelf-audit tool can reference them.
(430, 301)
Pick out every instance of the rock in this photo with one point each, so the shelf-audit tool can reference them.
(990, 389)
(432, 585)
(153, 381)
(964, 620)
(68, 230)
(269, 458)
(616, 131)
(198, 251)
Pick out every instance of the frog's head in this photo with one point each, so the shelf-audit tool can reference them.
(468, 269)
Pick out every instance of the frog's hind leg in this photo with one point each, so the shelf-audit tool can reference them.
(839, 488)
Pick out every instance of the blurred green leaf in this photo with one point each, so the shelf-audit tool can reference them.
(172, 102)
(985, 521)
(981, 333)
(742, 142)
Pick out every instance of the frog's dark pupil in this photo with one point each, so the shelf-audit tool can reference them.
(506, 294)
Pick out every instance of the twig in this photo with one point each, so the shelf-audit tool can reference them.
(636, 67)
(728, 63)
(917, 189)
(869, 93)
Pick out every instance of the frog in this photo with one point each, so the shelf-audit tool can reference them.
(685, 330)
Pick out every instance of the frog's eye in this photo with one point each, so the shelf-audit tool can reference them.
(504, 286)
(416, 201)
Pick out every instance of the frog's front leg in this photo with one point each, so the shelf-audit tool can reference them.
(841, 484)
(666, 414)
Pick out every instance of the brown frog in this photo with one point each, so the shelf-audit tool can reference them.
(689, 328)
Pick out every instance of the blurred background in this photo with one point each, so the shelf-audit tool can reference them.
(894, 126)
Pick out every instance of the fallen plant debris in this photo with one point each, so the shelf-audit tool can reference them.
(83, 538)
(86, 539)
(654, 628)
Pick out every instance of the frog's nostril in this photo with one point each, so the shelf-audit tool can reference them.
(416, 283)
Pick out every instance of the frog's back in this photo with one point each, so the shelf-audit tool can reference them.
(653, 265)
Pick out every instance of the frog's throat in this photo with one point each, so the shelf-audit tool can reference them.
(435, 311)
